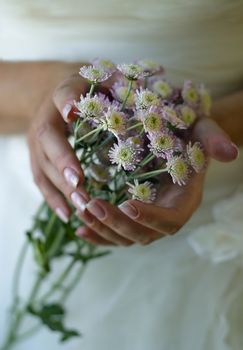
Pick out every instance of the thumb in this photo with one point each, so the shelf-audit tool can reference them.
(216, 142)
(66, 93)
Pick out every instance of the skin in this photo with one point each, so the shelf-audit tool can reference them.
(41, 94)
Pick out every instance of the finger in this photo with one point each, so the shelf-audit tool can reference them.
(89, 235)
(166, 221)
(102, 230)
(59, 151)
(111, 217)
(64, 187)
(52, 196)
(215, 141)
(65, 95)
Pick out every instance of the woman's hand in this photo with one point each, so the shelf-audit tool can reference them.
(56, 169)
(143, 223)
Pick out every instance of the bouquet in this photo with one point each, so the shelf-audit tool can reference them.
(128, 141)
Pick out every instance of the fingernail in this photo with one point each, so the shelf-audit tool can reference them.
(80, 231)
(129, 210)
(236, 149)
(65, 112)
(79, 201)
(97, 210)
(62, 215)
(71, 177)
(231, 149)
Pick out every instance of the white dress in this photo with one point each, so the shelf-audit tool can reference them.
(179, 293)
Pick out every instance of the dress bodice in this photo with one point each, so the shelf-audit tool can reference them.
(197, 39)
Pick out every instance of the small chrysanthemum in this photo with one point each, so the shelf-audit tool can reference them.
(178, 168)
(145, 99)
(190, 93)
(152, 121)
(131, 71)
(162, 88)
(205, 101)
(169, 114)
(99, 172)
(125, 154)
(149, 67)
(115, 121)
(106, 64)
(161, 144)
(187, 115)
(120, 91)
(94, 74)
(136, 140)
(90, 107)
(196, 156)
(144, 192)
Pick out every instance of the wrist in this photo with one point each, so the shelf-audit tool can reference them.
(51, 74)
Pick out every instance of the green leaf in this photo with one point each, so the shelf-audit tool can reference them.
(52, 316)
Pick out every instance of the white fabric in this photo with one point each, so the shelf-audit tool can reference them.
(183, 292)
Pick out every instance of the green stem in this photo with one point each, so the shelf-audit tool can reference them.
(12, 335)
(145, 82)
(127, 96)
(56, 243)
(89, 134)
(74, 282)
(60, 280)
(92, 87)
(150, 174)
(135, 126)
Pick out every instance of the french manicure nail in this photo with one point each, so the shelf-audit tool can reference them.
(79, 201)
(129, 210)
(97, 210)
(71, 177)
(66, 110)
(237, 152)
(62, 215)
(80, 231)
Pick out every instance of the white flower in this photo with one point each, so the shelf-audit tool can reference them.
(162, 88)
(99, 172)
(161, 144)
(145, 99)
(144, 192)
(94, 74)
(170, 114)
(178, 168)
(125, 154)
(205, 100)
(120, 91)
(149, 67)
(187, 115)
(196, 156)
(190, 93)
(131, 71)
(115, 121)
(107, 65)
(89, 107)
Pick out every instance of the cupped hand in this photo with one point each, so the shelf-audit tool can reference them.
(136, 222)
(56, 169)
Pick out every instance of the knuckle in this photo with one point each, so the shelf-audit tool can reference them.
(42, 129)
(61, 159)
(38, 178)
